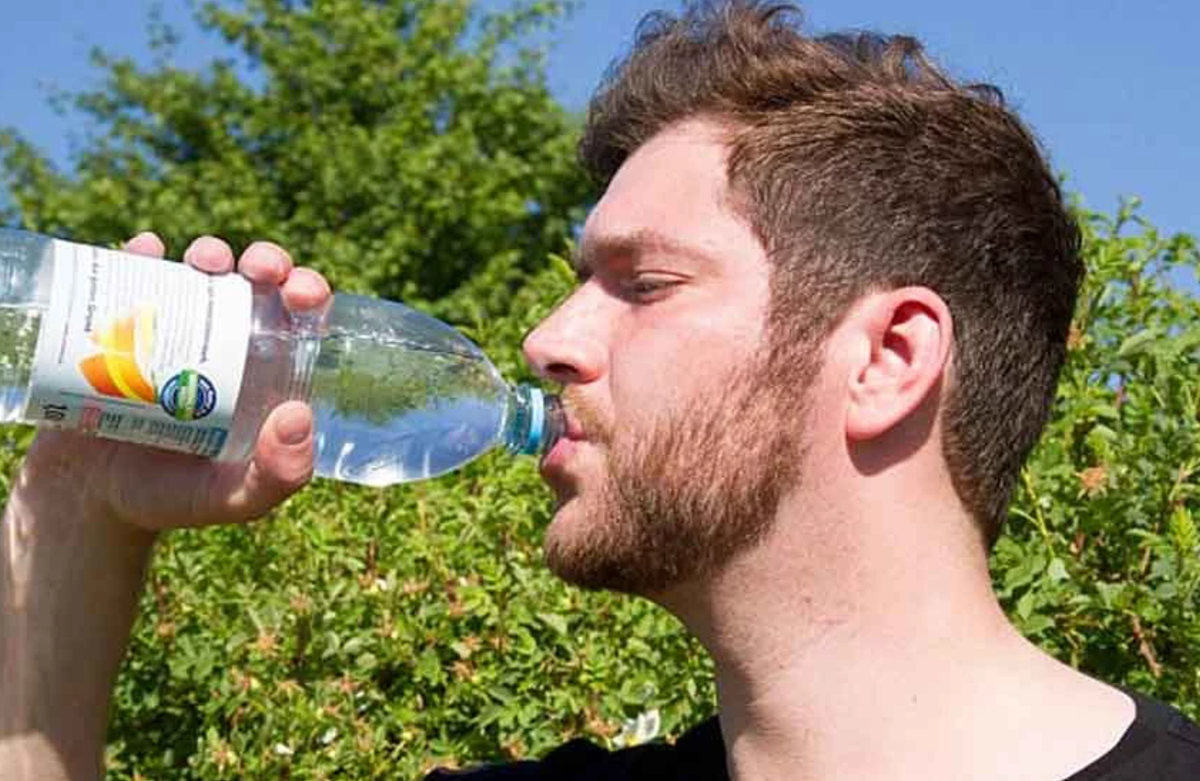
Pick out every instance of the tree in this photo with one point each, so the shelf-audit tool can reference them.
(399, 146)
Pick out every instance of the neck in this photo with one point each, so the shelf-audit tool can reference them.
(857, 657)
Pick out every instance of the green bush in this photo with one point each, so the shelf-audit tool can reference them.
(373, 634)
(1101, 561)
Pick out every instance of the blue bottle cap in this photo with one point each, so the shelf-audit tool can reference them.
(537, 421)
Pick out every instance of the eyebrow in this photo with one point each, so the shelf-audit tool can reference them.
(637, 243)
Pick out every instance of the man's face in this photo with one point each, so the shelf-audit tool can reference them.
(683, 435)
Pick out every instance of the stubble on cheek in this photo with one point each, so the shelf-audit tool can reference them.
(678, 498)
(597, 426)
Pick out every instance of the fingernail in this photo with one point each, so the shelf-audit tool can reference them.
(192, 257)
(293, 427)
(207, 253)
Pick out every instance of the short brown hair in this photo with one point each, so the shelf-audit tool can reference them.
(861, 166)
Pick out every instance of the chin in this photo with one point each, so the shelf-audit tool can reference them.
(569, 516)
(570, 539)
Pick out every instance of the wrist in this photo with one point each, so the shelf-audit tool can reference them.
(58, 486)
(70, 576)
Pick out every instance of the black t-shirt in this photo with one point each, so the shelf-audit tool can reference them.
(1160, 745)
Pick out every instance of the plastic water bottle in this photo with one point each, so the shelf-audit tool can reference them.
(141, 350)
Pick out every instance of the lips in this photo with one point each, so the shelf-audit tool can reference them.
(574, 429)
(554, 461)
(557, 455)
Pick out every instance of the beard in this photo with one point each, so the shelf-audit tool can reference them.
(681, 498)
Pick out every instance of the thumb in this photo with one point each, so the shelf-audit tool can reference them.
(282, 463)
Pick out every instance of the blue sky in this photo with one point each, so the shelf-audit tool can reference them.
(1111, 87)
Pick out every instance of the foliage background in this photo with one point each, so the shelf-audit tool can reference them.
(410, 148)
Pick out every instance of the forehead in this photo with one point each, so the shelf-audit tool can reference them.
(674, 187)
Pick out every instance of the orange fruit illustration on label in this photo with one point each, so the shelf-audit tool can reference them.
(126, 345)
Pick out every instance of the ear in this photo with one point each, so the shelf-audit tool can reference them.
(902, 344)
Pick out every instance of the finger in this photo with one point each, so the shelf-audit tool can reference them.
(306, 291)
(303, 289)
(282, 464)
(265, 261)
(146, 243)
(208, 253)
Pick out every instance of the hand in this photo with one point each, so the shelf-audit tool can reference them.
(151, 489)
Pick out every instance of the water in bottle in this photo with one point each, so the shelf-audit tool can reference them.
(157, 353)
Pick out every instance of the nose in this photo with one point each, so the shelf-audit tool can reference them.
(567, 347)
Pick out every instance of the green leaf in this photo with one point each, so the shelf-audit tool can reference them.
(1025, 605)
(555, 622)
(1139, 343)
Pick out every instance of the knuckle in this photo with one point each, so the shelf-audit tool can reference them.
(209, 252)
(265, 258)
(293, 479)
(293, 473)
(314, 279)
(271, 248)
(146, 243)
(211, 242)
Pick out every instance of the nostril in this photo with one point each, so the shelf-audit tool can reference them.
(562, 372)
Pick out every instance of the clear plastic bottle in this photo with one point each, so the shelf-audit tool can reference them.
(397, 395)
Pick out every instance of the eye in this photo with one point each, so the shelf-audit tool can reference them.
(648, 288)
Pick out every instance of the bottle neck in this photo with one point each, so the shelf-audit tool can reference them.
(535, 421)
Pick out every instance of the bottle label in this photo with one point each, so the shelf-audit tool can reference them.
(140, 350)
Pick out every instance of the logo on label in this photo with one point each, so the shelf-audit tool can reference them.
(188, 395)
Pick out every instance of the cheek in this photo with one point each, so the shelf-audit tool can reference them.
(658, 367)
(646, 371)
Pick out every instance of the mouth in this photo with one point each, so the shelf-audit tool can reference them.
(572, 426)
(554, 461)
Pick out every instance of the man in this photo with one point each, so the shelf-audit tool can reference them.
(823, 305)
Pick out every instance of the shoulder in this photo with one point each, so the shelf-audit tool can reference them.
(1161, 744)
(699, 755)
